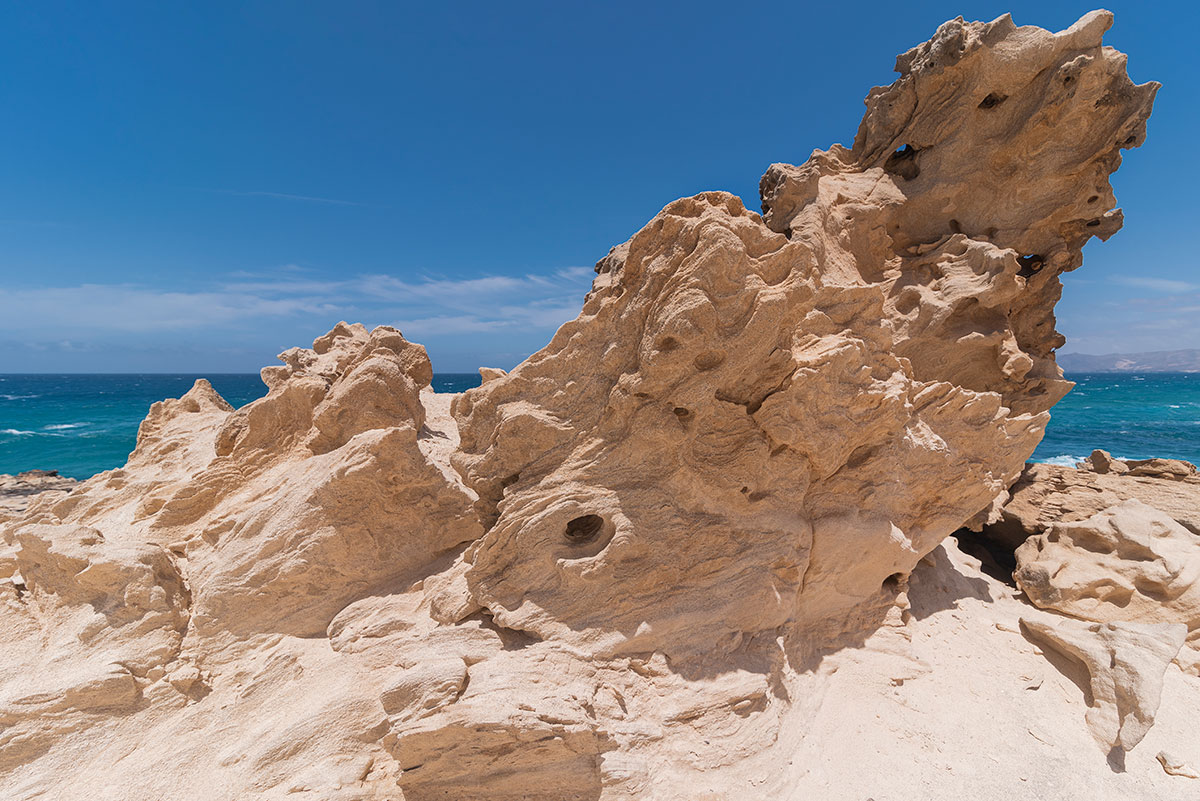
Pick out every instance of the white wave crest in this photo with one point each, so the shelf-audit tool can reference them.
(1062, 461)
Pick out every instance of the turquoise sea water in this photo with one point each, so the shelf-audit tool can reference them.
(82, 424)
(1130, 415)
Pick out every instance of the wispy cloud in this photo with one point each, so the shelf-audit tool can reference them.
(1156, 284)
(127, 308)
(528, 305)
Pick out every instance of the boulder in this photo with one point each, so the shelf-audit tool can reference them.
(1129, 563)
(1123, 666)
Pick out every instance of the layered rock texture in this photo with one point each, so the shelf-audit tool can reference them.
(695, 548)
(17, 492)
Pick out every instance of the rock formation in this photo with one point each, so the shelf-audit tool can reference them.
(17, 492)
(1129, 563)
(1124, 665)
(1046, 494)
(671, 550)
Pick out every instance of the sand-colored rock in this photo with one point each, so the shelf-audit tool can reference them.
(1129, 563)
(1124, 664)
(19, 491)
(1174, 766)
(1046, 494)
(692, 549)
(732, 377)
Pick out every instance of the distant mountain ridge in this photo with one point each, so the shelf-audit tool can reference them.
(1158, 361)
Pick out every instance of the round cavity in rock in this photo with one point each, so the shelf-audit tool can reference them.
(992, 100)
(708, 360)
(667, 344)
(584, 529)
(1030, 265)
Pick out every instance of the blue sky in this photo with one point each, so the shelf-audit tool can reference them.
(196, 187)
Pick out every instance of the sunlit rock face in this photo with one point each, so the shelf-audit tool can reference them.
(631, 576)
(771, 415)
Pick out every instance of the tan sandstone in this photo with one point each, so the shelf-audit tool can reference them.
(694, 548)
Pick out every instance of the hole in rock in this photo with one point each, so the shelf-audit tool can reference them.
(1130, 140)
(955, 227)
(1093, 198)
(992, 100)
(1030, 265)
(892, 582)
(903, 163)
(508, 482)
(1093, 223)
(584, 529)
(667, 344)
(995, 548)
(682, 413)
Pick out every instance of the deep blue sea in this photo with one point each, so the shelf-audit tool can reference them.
(82, 424)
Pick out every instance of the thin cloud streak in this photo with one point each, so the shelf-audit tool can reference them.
(287, 196)
(529, 305)
(1157, 284)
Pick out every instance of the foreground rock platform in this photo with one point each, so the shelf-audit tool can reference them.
(697, 547)
(20, 490)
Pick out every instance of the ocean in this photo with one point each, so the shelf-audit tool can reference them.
(82, 424)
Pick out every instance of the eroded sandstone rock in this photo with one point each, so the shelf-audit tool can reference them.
(1130, 562)
(630, 577)
(883, 333)
(1124, 665)
(19, 491)
(1046, 494)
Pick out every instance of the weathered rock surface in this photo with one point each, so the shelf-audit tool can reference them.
(1129, 563)
(19, 491)
(675, 554)
(1046, 494)
(1174, 766)
(1124, 665)
(1110, 540)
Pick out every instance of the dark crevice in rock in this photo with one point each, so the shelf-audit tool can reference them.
(997, 556)
(584, 529)
(903, 163)
(1030, 265)
(992, 100)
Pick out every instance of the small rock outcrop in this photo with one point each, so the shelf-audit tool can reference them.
(1123, 667)
(1129, 563)
(1046, 494)
(19, 491)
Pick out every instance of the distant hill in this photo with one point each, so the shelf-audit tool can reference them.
(1159, 361)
